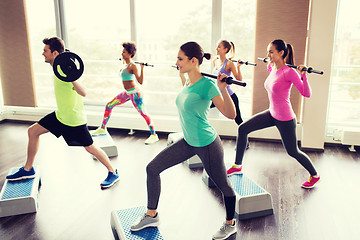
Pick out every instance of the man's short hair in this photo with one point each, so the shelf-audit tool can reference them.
(55, 44)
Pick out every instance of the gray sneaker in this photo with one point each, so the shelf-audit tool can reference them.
(145, 221)
(225, 231)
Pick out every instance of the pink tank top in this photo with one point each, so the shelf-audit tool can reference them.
(278, 85)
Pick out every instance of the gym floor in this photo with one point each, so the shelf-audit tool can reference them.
(72, 205)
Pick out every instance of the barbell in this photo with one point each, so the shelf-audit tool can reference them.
(308, 69)
(228, 80)
(68, 66)
(246, 62)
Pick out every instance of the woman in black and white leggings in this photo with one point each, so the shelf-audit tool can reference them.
(200, 137)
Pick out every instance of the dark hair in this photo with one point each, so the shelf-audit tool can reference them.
(288, 49)
(130, 47)
(55, 44)
(193, 49)
(230, 47)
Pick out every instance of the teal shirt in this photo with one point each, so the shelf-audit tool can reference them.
(193, 104)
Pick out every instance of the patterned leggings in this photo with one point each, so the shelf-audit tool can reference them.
(135, 96)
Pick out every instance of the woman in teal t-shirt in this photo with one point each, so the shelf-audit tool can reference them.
(200, 137)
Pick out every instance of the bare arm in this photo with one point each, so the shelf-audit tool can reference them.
(183, 79)
(224, 102)
(134, 70)
(79, 88)
(235, 70)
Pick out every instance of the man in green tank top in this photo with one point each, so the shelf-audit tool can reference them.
(68, 120)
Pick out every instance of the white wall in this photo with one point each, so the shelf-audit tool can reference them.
(320, 50)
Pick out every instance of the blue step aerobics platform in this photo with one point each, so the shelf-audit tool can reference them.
(121, 220)
(19, 197)
(106, 143)
(251, 200)
(193, 162)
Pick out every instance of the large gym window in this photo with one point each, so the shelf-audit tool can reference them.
(41, 24)
(239, 27)
(344, 97)
(95, 31)
(161, 30)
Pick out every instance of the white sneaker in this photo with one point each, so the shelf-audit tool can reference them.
(225, 231)
(98, 131)
(144, 222)
(152, 139)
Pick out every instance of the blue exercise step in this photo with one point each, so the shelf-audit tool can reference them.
(20, 197)
(251, 199)
(106, 143)
(121, 220)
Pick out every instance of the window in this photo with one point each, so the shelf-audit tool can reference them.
(161, 29)
(344, 97)
(239, 27)
(95, 31)
(41, 22)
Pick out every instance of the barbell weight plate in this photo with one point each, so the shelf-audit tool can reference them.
(68, 66)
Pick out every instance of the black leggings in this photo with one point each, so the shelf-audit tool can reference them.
(235, 99)
(212, 157)
(287, 131)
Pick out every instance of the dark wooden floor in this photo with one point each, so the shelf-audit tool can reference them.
(72, 205)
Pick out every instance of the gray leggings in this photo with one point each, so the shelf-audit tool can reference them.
(287, 131)
(212, 157)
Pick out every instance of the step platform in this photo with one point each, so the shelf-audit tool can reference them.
(106, 143)
(20, 197)
(251, 200)
(121, 220)
(193, 162)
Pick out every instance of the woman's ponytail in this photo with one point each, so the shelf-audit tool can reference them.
(290, 55)
(232, 50)
(207, 56)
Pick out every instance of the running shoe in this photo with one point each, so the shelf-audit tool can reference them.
(144, 222)
(152, 139)
(21, 174)
(234, 170)
(110, 180)
(225, 231)
(310, 183)
(98, 131)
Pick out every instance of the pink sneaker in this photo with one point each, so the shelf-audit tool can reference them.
(311, 182)
(234, 170)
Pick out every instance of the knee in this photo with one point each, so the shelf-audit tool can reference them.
(90, 149)
(32, 132)
(151, 170)
(242, 130)
(227, 190)
(108, 106)
(293, 152)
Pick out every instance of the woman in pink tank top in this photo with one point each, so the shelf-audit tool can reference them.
(280, 113)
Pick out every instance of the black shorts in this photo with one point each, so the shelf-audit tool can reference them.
(74, 136)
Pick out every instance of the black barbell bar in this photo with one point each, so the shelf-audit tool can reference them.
(246, 62)
(228, 80)
(308, 69)
(137, 62)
